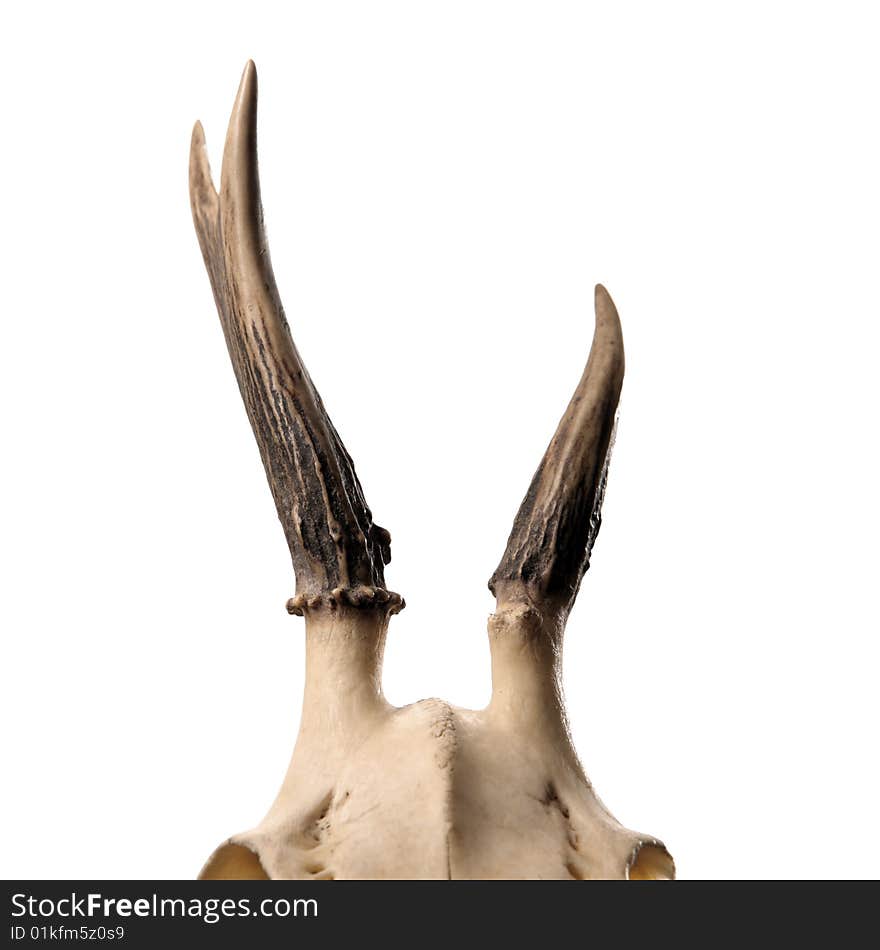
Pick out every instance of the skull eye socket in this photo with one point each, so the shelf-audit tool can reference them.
(233, 862)
(651, 863)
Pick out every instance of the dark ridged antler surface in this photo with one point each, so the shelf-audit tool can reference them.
(549, 547)
(338, 552)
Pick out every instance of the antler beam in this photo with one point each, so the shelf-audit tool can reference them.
(338, 552)
(549, 548)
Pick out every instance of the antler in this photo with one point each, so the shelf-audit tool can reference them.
(338, 552)
(548, 551)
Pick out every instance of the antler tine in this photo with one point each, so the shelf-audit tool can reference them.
(549, 547)
(338, 552)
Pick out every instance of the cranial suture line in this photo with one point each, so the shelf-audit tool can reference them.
(427, 790)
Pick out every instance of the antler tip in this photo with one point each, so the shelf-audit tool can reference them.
(608, 336)
(606, 312)
(203, 194)
(239, 150)
(247, 88)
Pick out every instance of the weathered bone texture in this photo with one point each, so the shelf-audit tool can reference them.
(428, 790)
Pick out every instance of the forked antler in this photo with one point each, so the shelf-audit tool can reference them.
(338, 552)
(427, 790)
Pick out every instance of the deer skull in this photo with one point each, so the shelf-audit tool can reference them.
(429, 790)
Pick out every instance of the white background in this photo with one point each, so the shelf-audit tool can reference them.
(444, 183)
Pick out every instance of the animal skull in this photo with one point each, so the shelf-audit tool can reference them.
(429, 790)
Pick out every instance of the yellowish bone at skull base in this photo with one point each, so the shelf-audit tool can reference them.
(426, 791)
